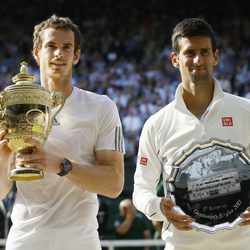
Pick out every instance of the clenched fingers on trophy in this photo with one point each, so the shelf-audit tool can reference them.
(26, 112)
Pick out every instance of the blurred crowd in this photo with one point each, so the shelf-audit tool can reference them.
(126, 55)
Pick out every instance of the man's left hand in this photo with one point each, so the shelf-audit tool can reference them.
(246, 217)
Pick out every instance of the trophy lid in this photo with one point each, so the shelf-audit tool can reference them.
(25, 90)
(24, 77)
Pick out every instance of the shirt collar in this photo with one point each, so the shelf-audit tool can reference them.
(218, 95)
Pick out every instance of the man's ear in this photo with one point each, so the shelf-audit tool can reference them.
(175, 60)
(216, 57)
(36, 55)
(77, 55)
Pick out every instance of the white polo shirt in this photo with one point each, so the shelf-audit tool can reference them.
(53, 213)
(165, 136)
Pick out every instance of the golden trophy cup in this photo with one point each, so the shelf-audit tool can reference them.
(26, 112)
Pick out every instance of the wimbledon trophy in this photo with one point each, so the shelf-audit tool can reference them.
(211, 183)
(26, 112)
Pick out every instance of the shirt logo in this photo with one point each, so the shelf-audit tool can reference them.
(144, 161)
(227, 121)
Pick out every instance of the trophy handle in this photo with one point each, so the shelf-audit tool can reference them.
(1, 101)
(57, 99)
(3, 123)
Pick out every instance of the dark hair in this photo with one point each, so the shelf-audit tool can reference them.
(57, 23)
(192, 27)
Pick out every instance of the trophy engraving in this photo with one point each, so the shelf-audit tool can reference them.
(211, 183)
(26, 112)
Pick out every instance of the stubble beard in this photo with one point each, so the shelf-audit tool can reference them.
(200, 79)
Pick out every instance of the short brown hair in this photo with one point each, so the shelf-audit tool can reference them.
(57, 23)
(192, 27)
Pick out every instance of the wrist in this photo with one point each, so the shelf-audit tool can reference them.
(66, 167)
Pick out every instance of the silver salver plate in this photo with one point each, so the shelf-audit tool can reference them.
(211, 183)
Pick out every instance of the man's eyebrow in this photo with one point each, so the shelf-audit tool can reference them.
(68, 44)
(193, 49)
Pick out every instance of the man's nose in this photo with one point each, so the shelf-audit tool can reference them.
(197, 58)
(58, 52)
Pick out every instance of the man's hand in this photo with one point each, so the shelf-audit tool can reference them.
(181, 222)
(41, 159)
(7, 163)
(131, 212)
(246, 217)
(5, 151)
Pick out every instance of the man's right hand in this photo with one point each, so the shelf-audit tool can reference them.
(130, 211)
(6, 164)
(5, 151)
(181, 222)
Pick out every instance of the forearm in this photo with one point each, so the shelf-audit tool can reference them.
(105, 180)
(125, 226)
(7, 163)
(147, 236)
(5, 188)
(5, 183)
(105, 176)
(147, 202)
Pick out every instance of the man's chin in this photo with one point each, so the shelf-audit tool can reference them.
(55, 76)
(200, 79)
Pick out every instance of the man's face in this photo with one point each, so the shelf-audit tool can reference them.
(56, 55)
(195, 59)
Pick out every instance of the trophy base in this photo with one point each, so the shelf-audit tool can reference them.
(25, 174)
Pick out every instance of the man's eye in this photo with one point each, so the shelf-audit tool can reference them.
(205, 52)
(190, 53)
(51, 46)
(67, 47)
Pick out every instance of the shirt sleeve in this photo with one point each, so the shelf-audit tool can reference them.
(110, 135)
(147, 175)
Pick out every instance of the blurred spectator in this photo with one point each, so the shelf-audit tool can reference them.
(247, 90)
(102, 217)
(130, 224)
(132, 121)
(225, 82)
(6, 206)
